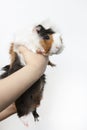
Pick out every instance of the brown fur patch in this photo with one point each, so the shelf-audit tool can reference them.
(46, 44)
(12, 54)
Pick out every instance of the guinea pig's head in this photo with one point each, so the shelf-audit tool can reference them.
(49, 40)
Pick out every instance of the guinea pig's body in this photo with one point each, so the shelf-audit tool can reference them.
(43, 41)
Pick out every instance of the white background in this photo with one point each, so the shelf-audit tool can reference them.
(64, 106)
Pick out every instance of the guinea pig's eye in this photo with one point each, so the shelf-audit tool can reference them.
(46, 37)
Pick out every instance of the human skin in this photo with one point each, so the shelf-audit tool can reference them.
(17, 83)
(10, 110)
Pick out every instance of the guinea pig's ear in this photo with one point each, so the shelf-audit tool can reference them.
(50, 31)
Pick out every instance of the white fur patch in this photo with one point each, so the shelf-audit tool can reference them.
(25, 120)
(57, 46)
(31, 40)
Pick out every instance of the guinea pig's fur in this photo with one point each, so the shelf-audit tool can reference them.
(43, 41)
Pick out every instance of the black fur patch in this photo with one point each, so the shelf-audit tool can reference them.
(44, 33)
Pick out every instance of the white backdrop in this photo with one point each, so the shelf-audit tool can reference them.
(64, 106)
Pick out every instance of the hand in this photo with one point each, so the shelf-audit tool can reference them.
(31, 58)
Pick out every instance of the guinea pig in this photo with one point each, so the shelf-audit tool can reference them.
(46, 42)
(41, 40)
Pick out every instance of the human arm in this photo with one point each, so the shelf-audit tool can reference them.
(14, 85)
(10, 110)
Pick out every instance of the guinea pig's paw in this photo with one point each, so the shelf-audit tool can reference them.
(36, 119)
(40, 51)
(51, 64)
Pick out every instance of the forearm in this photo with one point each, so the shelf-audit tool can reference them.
(10, 110)
(14, 85)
